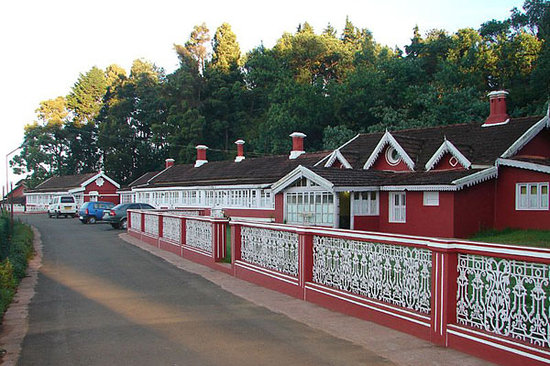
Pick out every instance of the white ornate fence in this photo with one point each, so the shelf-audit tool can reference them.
(395, 274)
(151, 224)
(135, 220)
(199, 235)
(272, 249)
(504, 297)
(171, 228)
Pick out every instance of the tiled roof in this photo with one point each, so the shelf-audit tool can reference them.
(264, 170)
(481, 145)
(62, 183)
(370, 178)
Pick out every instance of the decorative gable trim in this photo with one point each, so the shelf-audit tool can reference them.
(476, 178)
(385, 140)
(98, 175)
(331, 155)
(298, 173)
(447, 147)
(526, 137)
(524, 165)
(337, 155)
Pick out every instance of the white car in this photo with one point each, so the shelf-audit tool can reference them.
(62, 205)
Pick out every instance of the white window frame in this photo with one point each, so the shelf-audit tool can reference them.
(532, 201)
(431, 198)
(397, 213)
(366, 203)
(309, 207)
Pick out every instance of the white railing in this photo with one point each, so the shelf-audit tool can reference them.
(505, 297)
(198, 234)
(151, 224)
(135, 220)
(395, 274)
(272, 249)
(171, 228)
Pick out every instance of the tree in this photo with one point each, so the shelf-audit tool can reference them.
(86, 97)
(196, 47)
(226, 51)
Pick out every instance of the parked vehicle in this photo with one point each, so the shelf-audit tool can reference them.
(90, 212)
(62, 205)
(117, 215)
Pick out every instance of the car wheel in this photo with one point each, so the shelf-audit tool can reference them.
(91, 220)
(116, 225)
(123, 224)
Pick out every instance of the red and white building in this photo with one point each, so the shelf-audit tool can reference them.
(85, 187)
(447, 181)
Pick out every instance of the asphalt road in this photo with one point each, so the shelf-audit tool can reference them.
(102, 301)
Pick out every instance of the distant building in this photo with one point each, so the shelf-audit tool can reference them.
(85, 187)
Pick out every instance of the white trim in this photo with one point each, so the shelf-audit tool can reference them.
(100, 174)
(495, 124)
(199, 163)
(476, 178)
(191, 188)
(337, 155)
(447, 146)
(526, 137)
(434, 187)
(524, 165)
(329, 155)
(388, 139)
(299, 172)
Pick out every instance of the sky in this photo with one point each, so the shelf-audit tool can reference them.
(46, 45)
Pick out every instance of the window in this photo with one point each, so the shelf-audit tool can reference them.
(398, 207)
(431, 198)
(532, 196)
(365, 203)
(316, 208)
(392, 156)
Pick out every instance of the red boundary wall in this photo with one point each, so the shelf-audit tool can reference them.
(438, 326)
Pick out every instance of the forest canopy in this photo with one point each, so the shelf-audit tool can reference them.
(326, 84)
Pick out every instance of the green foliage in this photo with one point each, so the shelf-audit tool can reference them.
(327, 85)
(15, 251)
(534, 238)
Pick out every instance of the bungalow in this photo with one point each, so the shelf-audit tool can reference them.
(85, 187)
(447, 181)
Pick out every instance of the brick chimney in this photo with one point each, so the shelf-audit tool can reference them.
(497, 114)
(240, 151)
(297, 145)
(168, 163)
(201, 155)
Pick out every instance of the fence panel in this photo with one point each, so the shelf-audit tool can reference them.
(171, 228)
(272, 249)
(395, 274)
(198, 234)
(152, 225)
(504, 297)
(135, 220)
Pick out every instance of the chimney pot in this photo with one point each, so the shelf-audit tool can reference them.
(240, 151)
(169, 163)
(201, 155)
(497, 106)
(297, 144)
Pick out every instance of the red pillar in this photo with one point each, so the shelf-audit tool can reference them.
(218, 239)
(444, 288)
(160, 229)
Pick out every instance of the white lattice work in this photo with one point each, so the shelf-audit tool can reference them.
(152, 224)
(198, 234)
(505, 297)
(135, 220)
(395, 274)
(171, 228)
(273, 249)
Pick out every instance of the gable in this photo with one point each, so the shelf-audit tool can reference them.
(390, 160)
(448, 162)
(388, 155)
(539, 146)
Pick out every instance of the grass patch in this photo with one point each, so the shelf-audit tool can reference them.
(227, 258)
(15, 251)
(531, 238)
